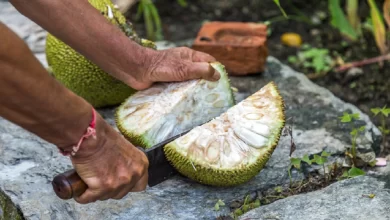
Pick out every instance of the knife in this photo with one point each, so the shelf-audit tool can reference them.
(68, 185)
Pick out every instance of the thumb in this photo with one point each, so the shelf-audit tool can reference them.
(198, 70)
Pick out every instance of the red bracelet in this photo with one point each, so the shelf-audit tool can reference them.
(91, 131)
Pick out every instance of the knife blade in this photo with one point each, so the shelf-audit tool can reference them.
(159, 167)
(68, 185)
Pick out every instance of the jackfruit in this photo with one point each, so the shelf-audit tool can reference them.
(233, 147)
(82, 76)
(167, 109)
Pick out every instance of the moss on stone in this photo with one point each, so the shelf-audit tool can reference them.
(8, 210)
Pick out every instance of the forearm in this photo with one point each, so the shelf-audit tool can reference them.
(82, 27)
(31, 98)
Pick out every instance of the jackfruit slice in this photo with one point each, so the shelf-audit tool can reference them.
(232, 148)
(167, 109)
(82, 76)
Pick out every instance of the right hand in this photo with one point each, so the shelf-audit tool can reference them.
(110, 166)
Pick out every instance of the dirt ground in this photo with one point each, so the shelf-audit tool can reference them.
(366, 88)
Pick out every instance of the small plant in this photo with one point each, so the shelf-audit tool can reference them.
(248, 205)
(317, 159)
(218, 204)
(384, 112)
(152, 18)
(353, 172)
(350, 25)
(355, 132)
(317, 59)
(349, 118)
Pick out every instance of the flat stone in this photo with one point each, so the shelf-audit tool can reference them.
(344, 200)
(29, 31)
(28, 164)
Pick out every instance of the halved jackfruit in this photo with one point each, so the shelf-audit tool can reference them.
(167, 109)
(232, 148)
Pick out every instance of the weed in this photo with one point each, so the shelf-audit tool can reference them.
(246, 206)
(218, 204)
(317, 159)
(355, 132)
(317, 59)
(152, 18)
(349, 118)
(350, 25)
(384, 113)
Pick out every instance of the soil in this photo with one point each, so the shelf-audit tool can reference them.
(366, 88)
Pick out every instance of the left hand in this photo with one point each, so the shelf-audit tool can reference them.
(173, 65)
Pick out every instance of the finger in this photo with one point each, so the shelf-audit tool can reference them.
(196, 70)
(89, 196)
(198, 56)
(141, 184)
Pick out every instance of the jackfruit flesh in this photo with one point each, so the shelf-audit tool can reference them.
(82, 76)
(233, 147)
(167, 109)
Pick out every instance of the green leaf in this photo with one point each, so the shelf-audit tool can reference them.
(339, 21)
(376, 111)
(346, 117)
(379, 27)
(319, 160)
(218, 204)
(306, 159)
(352, 9)
(296, 162)
(256, 203)
(355, 116)
(182, 3)
(245, 208)
(362, 128)
(325, 154)
(354, 132)
(280, 8)
(292, 59)
(354, 171)
(216, 207)
(386, 112)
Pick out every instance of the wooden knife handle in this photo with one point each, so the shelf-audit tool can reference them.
(68, 185)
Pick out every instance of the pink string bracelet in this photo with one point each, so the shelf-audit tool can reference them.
(91, 131)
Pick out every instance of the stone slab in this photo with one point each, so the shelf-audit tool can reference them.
(344, 200)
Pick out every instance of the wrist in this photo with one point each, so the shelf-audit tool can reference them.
(89, 142)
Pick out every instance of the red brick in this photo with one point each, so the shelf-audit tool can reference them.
(240, 46)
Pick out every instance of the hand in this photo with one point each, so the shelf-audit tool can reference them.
(110, 166)
(173, 65)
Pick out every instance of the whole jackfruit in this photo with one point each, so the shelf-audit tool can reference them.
(167, 109)
(82, 76)
(234, 147)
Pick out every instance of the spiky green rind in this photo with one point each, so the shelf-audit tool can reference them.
(225, 79)
(226, 177)
(137, 140)
(142, 140)
(82, 76)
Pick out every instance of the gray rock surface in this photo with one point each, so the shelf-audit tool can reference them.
(28, 164)
(344, 200)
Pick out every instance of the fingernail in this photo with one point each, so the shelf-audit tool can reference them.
(216, 75)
